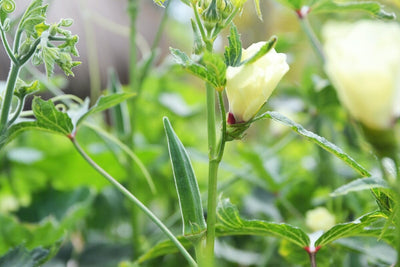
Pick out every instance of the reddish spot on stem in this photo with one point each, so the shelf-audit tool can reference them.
(312, 250)
(303, 12)
(231, 119)
(71, 136)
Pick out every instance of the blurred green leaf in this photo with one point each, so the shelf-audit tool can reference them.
(34, 14)
(230, 223)
(211, 68)
(359, 227)
(50, 119)
(233, 52)
(321, 141)
(105, 102)
(47, 233)
(371, 7)
(21, 257)
(359, 185)
(186, 185)
(163, 248)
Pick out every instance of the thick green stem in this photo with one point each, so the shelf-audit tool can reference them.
(212, 177)
(137, 202)
(5, 109)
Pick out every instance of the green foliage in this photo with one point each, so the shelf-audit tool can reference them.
(321, 141)
(211, 67)
(233, 52)
(359, 227)
(232, 224)
(187, 188)
(323, 6)
(104, 103)
(371, 7)
(359, 185)
(263, 50)
(163, 248)
(21, 257)
(34, 15)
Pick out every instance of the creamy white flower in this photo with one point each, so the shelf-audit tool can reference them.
(363, 63)
(319, 219)
(249, 86)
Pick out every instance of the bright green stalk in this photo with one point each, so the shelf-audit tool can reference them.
(136, 201)
(305, 24)
(7, 46)
(6, 105)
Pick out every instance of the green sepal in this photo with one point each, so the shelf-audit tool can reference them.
(194, 225)
(211, 67)
(233, 52)
(263, 50)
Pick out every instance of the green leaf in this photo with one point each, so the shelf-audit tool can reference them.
(264, 50)
(258, 10)
(359, 227)
(233, 52)
(47, 233)
(359, 185)
(34, 15)
(163, 248)
(186, 185)
(50, 119)
(159, 2)
(373, 8)
(50, 55)
(216, 69)
(230, 223)
(105, 102)
(23, 89)
(198, 42)
(321, 141)
(21, 257)
(212, 68)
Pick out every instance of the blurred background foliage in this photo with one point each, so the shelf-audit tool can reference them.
(51, 198)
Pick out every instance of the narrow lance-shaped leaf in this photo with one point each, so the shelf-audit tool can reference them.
(230, 223)
(360, 184)
(106, 102)
(264, 50)
(321, 141)
(233, 52)
(186, 185)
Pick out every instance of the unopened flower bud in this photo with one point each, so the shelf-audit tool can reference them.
(319, 219)
(249, 85)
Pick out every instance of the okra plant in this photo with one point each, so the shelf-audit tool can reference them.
(238, 83)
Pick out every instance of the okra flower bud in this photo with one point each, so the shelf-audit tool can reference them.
(363, 63)
(249, 85)
(319, 219)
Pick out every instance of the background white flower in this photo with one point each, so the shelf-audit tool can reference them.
(363, 63)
